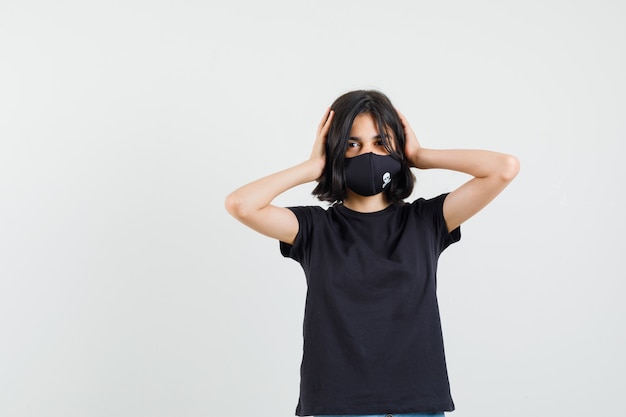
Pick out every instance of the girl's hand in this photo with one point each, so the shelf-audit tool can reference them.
(411, 145)
(318, 154)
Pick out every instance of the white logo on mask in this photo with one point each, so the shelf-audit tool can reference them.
(386, 179)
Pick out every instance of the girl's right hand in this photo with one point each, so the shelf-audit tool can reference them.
(318, 154)
(252, 205)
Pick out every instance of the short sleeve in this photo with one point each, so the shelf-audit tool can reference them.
(306, 219)
(432, 209)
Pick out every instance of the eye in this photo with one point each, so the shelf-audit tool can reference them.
(353, 144)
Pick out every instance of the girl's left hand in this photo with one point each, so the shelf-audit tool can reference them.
(411, 145)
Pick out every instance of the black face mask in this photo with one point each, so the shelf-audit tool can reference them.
(369, 174)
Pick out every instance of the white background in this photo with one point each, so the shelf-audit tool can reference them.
(127, 290)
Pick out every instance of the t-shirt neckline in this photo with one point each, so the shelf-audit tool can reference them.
(355, 213)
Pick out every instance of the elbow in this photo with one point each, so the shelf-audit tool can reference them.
(510, 168)
(234, 206)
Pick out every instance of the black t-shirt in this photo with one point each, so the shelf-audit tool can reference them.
(372, 332)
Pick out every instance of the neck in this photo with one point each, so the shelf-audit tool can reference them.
(363, 204)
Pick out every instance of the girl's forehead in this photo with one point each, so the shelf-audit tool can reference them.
(364, 121)
(366, 125)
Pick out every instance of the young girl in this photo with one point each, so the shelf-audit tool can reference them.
(372, 335)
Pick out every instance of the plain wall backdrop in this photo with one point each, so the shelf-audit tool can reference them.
(127, 290)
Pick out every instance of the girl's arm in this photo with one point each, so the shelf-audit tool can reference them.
(492, 172)
(251, 204)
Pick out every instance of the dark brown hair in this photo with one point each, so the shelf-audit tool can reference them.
(332, 184)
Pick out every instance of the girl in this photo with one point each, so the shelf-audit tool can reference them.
(372, 335)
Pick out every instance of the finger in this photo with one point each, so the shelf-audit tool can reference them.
(323, 128)
(324, 119)
(328, 120)
(404, 121)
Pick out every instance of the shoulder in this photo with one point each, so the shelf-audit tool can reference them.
(309, 214)
(311, 221)
(427, 206)
(430, 211)
(311, 211)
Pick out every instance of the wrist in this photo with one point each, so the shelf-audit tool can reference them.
(314, 168)
(415, 158)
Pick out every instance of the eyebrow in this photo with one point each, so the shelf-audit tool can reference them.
(359, 139)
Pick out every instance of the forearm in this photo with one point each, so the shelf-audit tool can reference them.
(260, 193)
(477, 163)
